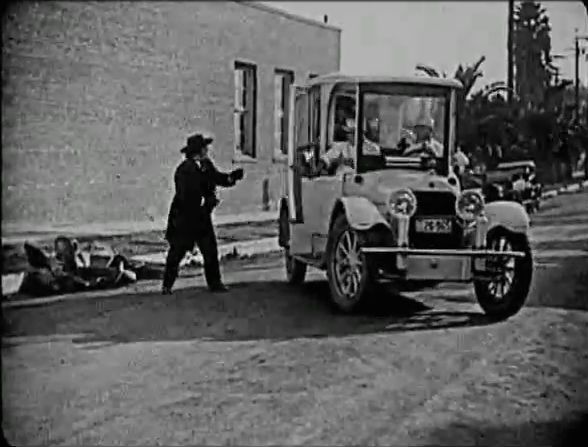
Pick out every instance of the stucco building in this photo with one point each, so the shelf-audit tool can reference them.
(98, 98)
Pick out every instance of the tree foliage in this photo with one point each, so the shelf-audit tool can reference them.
(467, 76)
(532, 123)
(534, 69)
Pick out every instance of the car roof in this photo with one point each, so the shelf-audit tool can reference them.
(516, 164)
(415, 80)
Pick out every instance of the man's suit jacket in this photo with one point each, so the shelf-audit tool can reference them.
(188, 217)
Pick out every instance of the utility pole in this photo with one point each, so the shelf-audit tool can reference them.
(577, 52)
(510, 44)
(577, 76)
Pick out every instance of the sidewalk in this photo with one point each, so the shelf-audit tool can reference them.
(19, 233)
(241, 235)
(13, 234)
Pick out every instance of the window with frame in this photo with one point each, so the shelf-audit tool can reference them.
(283, 80)
(343, 110)
(245, 77)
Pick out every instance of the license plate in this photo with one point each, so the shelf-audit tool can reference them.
(434, 226)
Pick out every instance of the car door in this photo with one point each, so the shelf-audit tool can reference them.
(312, 197)
(301, 205)
(319, 193)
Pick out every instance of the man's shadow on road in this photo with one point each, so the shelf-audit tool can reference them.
(250, 311)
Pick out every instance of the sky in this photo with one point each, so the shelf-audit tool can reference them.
(392, 37)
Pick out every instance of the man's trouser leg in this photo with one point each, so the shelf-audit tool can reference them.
(208, 247)
(175, 254)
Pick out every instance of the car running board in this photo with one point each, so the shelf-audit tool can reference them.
(307, 259)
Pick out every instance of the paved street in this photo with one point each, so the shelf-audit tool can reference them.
(271, 364)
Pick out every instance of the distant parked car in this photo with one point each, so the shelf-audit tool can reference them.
(500, 184)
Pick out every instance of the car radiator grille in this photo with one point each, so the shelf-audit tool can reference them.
(435, 204)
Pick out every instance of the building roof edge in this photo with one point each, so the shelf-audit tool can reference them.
(288, 15)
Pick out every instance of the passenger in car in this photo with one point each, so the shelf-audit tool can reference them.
(344, 110)
(424, 135)
(339, 157)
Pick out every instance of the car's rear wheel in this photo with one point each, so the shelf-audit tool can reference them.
(349, 274)
(505, 294)
(295, 269)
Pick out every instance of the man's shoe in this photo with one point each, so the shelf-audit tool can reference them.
(218, 288)
(166, 291)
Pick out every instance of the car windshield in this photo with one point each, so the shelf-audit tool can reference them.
(404, 127)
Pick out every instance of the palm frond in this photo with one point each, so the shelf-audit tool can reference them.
(430, 71)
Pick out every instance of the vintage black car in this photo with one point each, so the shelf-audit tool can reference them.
(514, 181)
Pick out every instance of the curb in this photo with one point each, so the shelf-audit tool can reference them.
(92, 294)
(225, 251)
(576, 187)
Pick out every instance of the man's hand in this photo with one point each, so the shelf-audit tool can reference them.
(319, 168)
(237, 174)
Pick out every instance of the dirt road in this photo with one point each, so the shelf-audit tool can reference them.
(269, 364)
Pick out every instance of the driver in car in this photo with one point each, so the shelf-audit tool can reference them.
(425, 143)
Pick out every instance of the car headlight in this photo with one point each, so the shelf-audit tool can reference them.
(402, 203)
(469, 205)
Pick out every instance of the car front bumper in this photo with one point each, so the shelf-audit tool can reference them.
(438, 265)
(463, 264)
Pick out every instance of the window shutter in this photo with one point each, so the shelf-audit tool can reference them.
(238, 89)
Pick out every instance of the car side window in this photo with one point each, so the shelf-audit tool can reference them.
(309, 128)
(343, 110)
(310, 153)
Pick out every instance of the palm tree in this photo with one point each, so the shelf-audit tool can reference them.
(467, 76)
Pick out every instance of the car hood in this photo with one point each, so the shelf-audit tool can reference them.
(378, 185)
(389, 181)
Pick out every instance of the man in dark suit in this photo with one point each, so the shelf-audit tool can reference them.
(189, 220)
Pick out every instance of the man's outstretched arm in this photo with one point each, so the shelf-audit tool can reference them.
(223, 178)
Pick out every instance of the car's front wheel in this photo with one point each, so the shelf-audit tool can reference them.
(349, 274)
(505, 294)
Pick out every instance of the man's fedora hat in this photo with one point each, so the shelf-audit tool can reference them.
(195, 143)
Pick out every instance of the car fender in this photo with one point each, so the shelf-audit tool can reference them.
(361, 213)
(511, 215)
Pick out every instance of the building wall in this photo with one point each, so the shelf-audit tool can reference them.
(98, 98)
